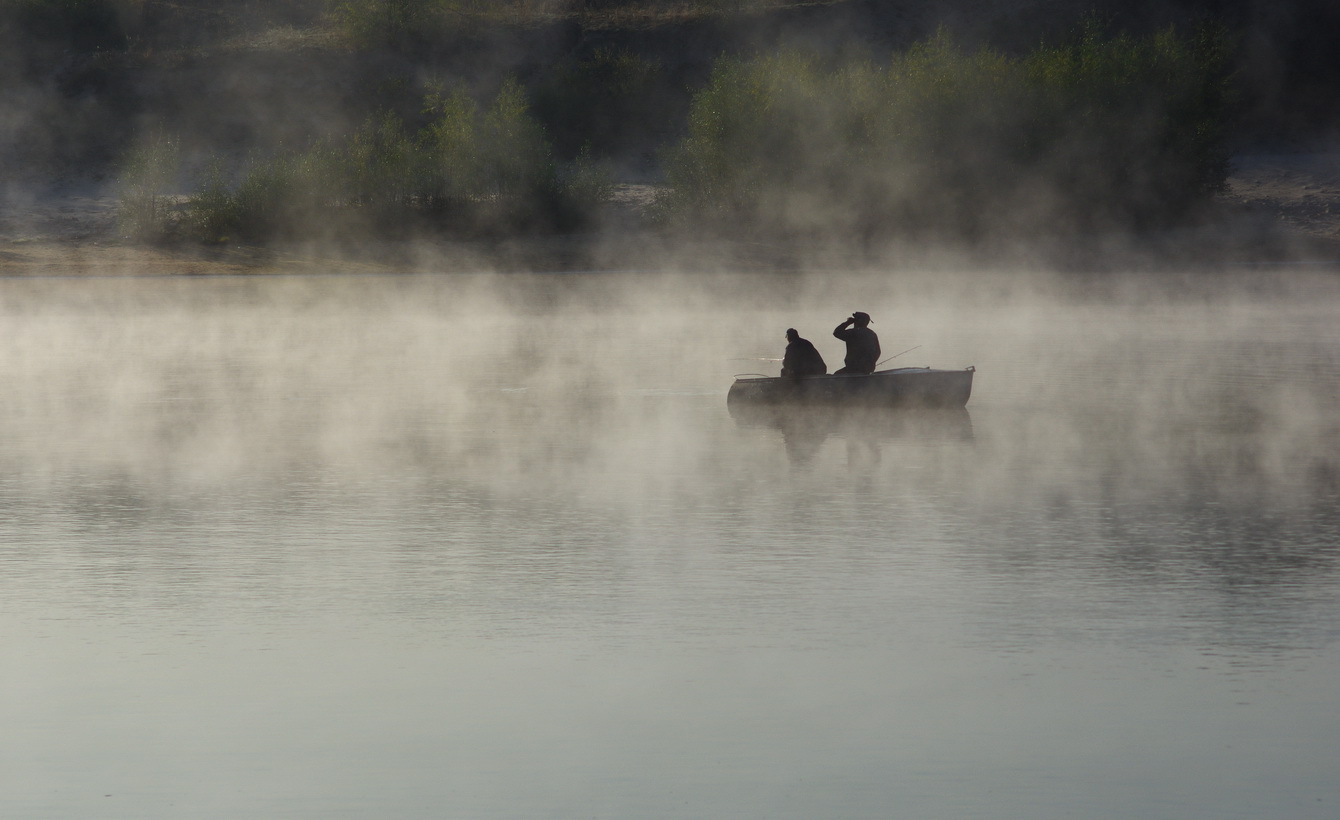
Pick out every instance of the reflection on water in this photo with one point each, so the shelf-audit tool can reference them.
(805, 428)
(424, 547)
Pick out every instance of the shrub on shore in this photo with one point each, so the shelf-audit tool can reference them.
(1104, 131)
(467, 171)
(147, 179)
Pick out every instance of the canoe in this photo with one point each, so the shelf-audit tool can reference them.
(902, 386)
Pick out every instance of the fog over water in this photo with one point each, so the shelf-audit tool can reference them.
(493, 546)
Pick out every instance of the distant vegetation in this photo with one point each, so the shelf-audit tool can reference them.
(787, 118)
(1105, 130)
(935, 140)
(467, 170)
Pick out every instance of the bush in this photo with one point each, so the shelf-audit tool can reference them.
(1103, 131)
(491, 170)
(148, 176)
(466, 171)
(289, 196)
(1142, 118)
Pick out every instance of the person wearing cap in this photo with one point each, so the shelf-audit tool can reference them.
(862, 344)
(801, 358)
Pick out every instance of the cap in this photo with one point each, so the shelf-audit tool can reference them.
(862, 316)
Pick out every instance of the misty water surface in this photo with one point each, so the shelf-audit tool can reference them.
(435, 546)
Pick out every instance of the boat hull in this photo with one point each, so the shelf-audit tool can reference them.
(919, 386)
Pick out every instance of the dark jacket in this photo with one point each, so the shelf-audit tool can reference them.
(802, 359)
(862, 348)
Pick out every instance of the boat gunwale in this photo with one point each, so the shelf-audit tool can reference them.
(895, 371)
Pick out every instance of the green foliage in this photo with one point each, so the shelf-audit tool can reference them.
(468, 170)
(285, 196)
(1153, 110)
(451, 150)
(378, 167)
(213, 211)
(586, 185)
(513, 154)
(1102, 131)
(145, 183)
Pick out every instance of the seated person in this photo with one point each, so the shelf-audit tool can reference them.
(801, 358)
(862, 344)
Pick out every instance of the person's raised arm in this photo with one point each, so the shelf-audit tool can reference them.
(841, 329)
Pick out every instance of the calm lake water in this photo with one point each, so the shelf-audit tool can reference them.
(446, 546)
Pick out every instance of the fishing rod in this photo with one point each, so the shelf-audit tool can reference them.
(896, 355)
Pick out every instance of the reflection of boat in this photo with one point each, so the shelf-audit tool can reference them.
(873, 423)
(805, 428)
(884, 388)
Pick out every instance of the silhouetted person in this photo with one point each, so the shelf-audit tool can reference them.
(801, 359)
(862, 344)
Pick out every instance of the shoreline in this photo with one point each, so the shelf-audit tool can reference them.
(1278, 210)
